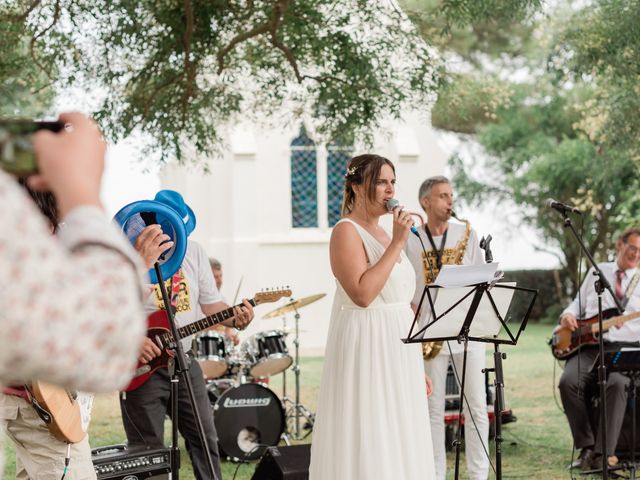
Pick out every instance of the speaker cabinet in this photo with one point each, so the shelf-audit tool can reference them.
(284, 463)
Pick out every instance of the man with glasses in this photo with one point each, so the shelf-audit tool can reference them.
(623, 275)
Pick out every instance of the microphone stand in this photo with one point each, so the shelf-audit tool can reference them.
(180, 371)
(601, 284)
(498, 382)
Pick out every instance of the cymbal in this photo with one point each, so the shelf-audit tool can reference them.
(293, 306)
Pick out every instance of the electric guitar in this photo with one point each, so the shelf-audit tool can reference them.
(58, 409)
(159, 331)
(565, 343)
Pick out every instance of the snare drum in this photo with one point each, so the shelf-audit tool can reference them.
(212, 351)
(268, 353)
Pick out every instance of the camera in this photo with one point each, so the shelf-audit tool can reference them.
(16, 151)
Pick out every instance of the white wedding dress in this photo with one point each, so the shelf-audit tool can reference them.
(372, 418)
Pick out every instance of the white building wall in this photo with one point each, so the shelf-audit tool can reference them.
(243, 210)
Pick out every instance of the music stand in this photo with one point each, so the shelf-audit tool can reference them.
(626, 360)
(459, 306)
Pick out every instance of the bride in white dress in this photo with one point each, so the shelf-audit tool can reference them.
(372, 418)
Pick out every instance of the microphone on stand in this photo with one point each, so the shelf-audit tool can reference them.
(561, 207)
(485, 244)
(150, 218)
(393, 203)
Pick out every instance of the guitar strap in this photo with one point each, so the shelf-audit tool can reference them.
(630, 289)
(175, 290)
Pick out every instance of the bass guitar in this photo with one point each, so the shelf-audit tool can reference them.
(565, 343)
(58, 409)
(159, 331)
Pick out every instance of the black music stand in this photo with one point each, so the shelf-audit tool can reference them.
(626, 360)
(494, 329)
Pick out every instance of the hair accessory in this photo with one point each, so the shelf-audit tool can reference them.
(350, 172)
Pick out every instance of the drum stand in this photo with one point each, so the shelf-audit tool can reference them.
(295, 411)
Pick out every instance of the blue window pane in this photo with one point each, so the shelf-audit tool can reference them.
(338, 157)
(304, 182)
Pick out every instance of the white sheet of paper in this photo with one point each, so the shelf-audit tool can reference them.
(485, 323)
(463, 275)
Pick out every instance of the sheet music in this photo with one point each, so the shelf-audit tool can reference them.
(485, 323)
(463, 275)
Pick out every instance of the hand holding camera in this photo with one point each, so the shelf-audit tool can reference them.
(71, 162)
(67, 157)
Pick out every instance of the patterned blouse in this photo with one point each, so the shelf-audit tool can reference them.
(72, 305)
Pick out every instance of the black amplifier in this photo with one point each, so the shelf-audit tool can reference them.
(117, 462)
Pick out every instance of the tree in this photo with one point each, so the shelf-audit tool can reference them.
(22, 83)
(539, 119)
(178, 71)
(536, 152)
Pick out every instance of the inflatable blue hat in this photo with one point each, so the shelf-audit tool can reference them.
(173, 199)
(136, 216)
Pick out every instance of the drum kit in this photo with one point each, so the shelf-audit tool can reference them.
(248, 415)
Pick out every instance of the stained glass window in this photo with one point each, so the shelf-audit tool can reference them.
(338, 156)
(304, 182)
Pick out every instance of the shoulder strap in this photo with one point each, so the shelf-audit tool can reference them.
(630, 289)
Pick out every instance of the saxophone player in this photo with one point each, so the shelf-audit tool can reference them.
(447, 242)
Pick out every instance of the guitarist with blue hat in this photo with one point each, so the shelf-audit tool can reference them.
(192, 292)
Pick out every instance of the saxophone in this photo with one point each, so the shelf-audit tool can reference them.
(450, 256)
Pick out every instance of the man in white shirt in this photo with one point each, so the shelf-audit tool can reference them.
(446, 242)
(577, 374)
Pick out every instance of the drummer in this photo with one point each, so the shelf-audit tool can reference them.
(231, 333)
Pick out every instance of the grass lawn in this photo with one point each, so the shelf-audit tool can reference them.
(537, 446)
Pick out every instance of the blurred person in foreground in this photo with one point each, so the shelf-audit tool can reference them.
(73, 303)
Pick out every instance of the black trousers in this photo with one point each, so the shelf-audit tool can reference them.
(144, 409)
(576, 382)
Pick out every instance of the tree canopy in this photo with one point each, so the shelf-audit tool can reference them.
(553, 112)
(179, 70)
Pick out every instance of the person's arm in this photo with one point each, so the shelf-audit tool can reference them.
(349, 259)
(569, 317)
(473, 255)
(72, 311)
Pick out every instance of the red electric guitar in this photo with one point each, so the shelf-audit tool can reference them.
(160, 332)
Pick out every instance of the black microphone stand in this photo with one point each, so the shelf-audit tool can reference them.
(180, 371)
(601, 284)
(498, 382)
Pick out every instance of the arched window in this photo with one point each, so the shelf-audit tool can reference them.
(304, 182)
(338, 156)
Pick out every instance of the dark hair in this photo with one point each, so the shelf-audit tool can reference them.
(362, 170)
(624, 236)
(215, 264)
(46, 203)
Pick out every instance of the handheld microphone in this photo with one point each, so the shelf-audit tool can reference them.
(561, 207)
(393, 203)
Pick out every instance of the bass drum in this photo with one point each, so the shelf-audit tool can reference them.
(249, 418)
